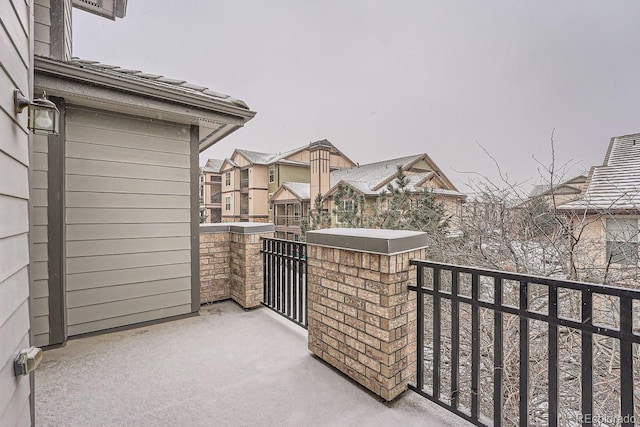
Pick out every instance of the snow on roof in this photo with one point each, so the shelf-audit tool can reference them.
(367, 177)
(301, 189)
(213, 165)
(259, 158)
(156, 80)
(616, 184)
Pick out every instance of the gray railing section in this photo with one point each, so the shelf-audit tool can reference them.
(285, 278)
(440, 287)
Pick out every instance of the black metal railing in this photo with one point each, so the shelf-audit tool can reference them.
(500, 348)
(285, 278)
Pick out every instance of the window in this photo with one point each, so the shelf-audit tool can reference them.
(227, 178)
(269, 201)
(227, 203)
(345, 206)
(272, 174)
(244, 178)
(622, 240)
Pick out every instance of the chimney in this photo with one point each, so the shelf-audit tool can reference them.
(320, 162)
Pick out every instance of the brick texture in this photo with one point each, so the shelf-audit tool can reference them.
(362, 317)
(246, 269)
(231, 268)
(215, 268)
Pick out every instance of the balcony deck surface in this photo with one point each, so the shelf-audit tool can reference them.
(226, 367)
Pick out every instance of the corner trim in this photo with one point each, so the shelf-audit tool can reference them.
(194, 151)
(56, 230)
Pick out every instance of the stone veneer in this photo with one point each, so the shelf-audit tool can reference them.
(361, 314)
(231, 262)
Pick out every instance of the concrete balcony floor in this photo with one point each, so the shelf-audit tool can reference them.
(226, 367)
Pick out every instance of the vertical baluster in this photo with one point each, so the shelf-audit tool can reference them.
(436, 333)
(498, 365)
(455, 339)
(302, 271)
(289, 279)
(420, 328)
(278, 275)
(553, 356)
(626, 361)
(587, 354)
(265, 276)
(475, 349)
(296, 282)
(524, 355)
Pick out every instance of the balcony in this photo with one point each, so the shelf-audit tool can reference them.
(224, 367)
(491, 347)
(289, 220)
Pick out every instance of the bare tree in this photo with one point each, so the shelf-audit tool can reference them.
(503, 228)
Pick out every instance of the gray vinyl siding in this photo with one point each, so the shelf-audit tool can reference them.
(42, 27)
(39, 240)
(14, 206)
(127, 216)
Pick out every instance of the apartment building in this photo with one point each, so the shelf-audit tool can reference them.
(608, 213)
(250, 178)
(293, 201)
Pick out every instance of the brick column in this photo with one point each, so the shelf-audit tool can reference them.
(361, 315)
(215, 268)
(246, 262)
(231, 262)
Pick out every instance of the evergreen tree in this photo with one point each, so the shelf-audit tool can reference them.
(317, 220)
(349, 206)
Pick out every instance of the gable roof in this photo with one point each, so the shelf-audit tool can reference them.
(616, 184)
(260, 158)
(372, 179)
(571, 186)
(213, 165)
(367, 177)
(300, 189)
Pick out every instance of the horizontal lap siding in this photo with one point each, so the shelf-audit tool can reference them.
(42, 27)
(39, 240)
(14, 196)
(127, 219)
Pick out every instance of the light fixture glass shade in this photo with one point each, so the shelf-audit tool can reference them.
(44, 116)
(43, 119)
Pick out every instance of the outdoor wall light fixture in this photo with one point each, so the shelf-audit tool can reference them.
(44, 116)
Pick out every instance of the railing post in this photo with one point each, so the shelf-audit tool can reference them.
(360, 305)
(246, 262)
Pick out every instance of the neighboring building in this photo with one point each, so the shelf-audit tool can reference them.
(293, 201)
(250, 179)
(371, 181)
(211, 191)
(291, 204)
(608, 212)
(562, 193)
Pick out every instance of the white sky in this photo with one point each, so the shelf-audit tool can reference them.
(385, 79)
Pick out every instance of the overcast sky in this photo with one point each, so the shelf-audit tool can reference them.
(384, 79)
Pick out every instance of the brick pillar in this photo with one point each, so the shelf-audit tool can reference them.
(215, 268)
(246, 262)
(361, 315)
(231, 262)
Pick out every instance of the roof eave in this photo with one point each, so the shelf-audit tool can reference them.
(91, 76)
